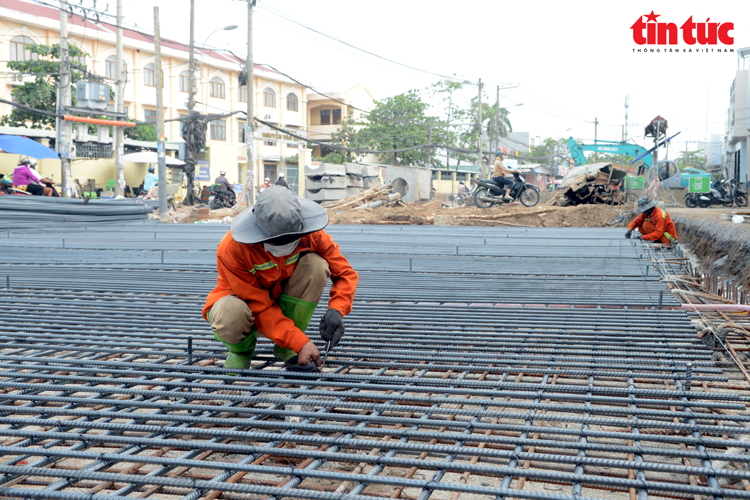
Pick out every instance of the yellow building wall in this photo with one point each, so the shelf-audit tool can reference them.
(101, 170)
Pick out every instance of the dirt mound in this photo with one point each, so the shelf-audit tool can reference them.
(509, 215)
(723, 247)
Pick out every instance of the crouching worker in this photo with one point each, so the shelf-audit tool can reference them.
(653, 223)
(273, 265)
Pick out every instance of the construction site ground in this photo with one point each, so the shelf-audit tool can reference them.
(478, 363)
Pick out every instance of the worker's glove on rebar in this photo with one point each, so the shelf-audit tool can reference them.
(332, 327)
(627, 235)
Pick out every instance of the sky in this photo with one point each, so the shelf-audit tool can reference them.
(560, 65)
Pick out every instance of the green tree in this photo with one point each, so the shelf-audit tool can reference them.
(469, 134)
(396, 123)
(695, 159)
(552, 153)
(41, 93)
(445, 91)
(141, 132)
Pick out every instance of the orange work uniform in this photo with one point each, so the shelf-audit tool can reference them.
(656, 227)
(257, 277)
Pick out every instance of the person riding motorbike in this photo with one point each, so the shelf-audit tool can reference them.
(282, 181)
(48, 183)
(224, 182)
(25, 179)
(498, 176)
(151, 179)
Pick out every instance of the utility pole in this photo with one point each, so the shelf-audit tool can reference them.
(627, 105)
(65, 136)
(120, 108)
(192, 88)
(161, 153)
(481, 166)
(429, 141)
(497, 121)
(250, 131)
(684, 161)
(596, 127)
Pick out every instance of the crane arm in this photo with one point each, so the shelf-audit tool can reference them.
(619, 148)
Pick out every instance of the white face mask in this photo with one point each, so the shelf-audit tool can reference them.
(281, 250)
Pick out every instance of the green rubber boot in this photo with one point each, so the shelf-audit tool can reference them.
(241, 354)
(299, 311)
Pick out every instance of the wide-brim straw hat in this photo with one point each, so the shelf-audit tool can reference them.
(278, 212)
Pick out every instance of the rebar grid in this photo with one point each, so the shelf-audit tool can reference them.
(101, 397)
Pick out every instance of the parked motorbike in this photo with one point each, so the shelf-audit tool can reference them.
(739, 197)
(221, 198)
(720, 194)
(487, 193)
(691, 200)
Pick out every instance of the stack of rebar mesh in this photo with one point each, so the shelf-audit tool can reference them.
(477, 363)
(20, 212)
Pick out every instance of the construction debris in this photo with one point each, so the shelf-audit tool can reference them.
(593, 184)
(365, 197)
(331, 182)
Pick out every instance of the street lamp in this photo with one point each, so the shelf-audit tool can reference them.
(203, 47)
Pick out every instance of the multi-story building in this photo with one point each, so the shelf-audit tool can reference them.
(329, 109)
(738, 121)
(277, 99)
(712, 151)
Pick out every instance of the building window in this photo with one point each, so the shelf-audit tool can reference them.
(292, 145)
(269, 170)
(336, 116)
(219, 130)
(184, 81)
(241, 126)
(110, 68)
(150, 115)
(149, 75)
(269, 143)
(325, 116)
(218, 89)
(292, 103)
(19, 49)
(269, 98)
(242, 95)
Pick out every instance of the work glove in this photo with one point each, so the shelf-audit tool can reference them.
(332, 327)
(638, 236)
(627, 235)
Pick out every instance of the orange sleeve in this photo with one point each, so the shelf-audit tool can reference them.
(343, 277)
(660, 226)
(637, 222)
(268, 317)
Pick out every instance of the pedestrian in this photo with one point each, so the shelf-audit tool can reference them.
(653, 224)
(281, 181)
(273, 266)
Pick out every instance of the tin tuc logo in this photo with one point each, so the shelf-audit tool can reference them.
(652, 32)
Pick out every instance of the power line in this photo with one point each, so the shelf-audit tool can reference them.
(290, 19)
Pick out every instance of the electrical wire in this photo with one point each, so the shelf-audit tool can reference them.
(292, 20)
